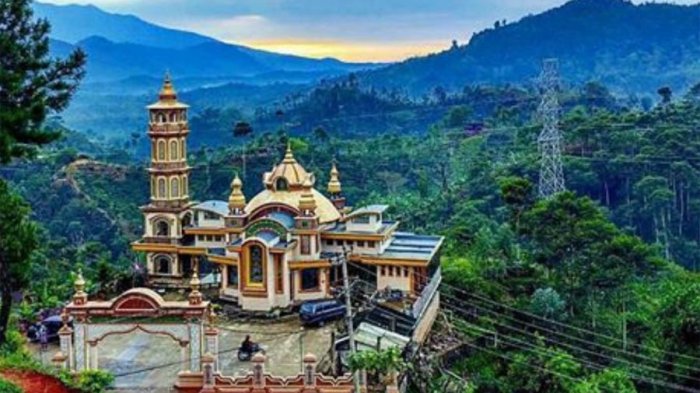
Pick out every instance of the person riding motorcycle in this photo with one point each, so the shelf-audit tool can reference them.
(248, 346)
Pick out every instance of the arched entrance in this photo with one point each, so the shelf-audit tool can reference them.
(136, 310)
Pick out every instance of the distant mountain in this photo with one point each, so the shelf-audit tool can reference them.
(122, 46)
(73, 23)
(632, 48)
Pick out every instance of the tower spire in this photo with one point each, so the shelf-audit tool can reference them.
(236, 201)
(334, 188)
(549, 141)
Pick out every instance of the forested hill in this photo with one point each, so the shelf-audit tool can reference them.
(628, 47)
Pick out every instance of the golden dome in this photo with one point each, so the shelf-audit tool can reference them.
(290, 170)
(334, 182)
(325, 210)
(236, 200)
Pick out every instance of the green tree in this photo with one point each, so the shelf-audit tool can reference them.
(18, 239)
(32, 84)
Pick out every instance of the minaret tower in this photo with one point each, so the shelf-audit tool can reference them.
(169, 179)
(168, 131)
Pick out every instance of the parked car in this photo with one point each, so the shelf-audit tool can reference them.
(318, 312)
(53, 325)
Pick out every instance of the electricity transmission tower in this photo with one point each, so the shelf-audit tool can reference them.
(549, 140)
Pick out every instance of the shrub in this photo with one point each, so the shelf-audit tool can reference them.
(9, 387)
(93, 381)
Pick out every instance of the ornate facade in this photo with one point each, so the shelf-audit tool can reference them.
(276, 249)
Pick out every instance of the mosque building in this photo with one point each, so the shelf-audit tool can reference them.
(278, 248)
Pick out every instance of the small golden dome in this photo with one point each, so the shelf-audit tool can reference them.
(334, 187)
(307, 201)
(236, 201)
(290, 170)
(167, 92)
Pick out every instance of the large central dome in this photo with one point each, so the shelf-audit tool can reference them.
(285, 184)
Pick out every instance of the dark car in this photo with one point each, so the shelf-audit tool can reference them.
(318, 312)
(53, 325)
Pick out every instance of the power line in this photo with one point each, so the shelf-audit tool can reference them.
(600, 367)
(462, 301)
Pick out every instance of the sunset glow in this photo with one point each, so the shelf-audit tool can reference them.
(349, 51)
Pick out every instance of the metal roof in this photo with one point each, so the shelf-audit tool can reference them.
(406, 245)
(371, 209)
(218, 207)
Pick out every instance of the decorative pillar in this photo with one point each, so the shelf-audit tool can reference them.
(212, 339)
(258, 370)
(195, 328)
(184, 357)
(65, 335)
(310, 370)
(80, 350)
(208, 377)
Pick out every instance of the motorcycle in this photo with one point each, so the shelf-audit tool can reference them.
(245, 356)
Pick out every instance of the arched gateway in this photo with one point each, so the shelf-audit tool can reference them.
(138, 309)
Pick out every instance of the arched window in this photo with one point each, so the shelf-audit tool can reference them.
(173, 150)
(281, 184)
(172, 117)
(162, 228)
(182, 149)
(161, 150)
(162, 265)
(184, 186)
(161, 118)
(154, 190)
(175, 187)
(162, 192)
(255, 264)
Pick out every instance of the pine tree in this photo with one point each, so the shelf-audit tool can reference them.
(32, 84)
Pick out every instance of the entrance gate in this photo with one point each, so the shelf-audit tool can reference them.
(138, 309)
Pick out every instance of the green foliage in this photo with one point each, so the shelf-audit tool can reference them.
(33, 83)
(9, 387)
(18, 239)
(92, 381)
(378, 362)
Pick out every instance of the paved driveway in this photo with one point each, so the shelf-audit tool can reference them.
(148, 363)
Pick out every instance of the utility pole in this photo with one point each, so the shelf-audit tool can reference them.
(549, 141)
(348, 312)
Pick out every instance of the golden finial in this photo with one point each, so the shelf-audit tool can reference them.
(236, 201)
(195, 296)
(80, 297)
(289, 155)
(334, 187)
(167, 92)
(79, 282)
(194, 282)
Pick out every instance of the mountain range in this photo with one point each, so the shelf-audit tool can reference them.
(122, 46)
(630, 48)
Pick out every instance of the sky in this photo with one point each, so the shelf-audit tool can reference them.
(351, 30)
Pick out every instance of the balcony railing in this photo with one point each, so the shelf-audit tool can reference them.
(427, 294)
(169, 127)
